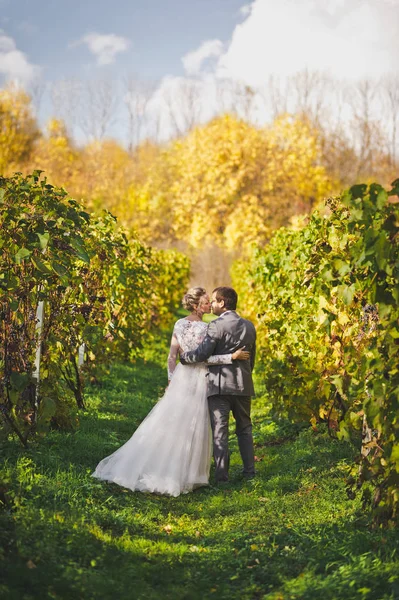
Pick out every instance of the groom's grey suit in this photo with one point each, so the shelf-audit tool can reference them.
(230, 387)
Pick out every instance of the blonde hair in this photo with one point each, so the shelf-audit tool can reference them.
(192, 297)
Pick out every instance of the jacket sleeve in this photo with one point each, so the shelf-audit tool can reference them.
(253, 354)
(204, 350)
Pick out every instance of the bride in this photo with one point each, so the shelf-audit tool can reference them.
(170, 452)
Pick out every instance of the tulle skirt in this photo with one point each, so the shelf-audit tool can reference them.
(170, 452)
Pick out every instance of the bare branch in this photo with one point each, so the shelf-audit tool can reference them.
(137, 97)
(36, 89)
(311, 89)
(100, 103)
(390, 99)
(183, 104)
(66, 96)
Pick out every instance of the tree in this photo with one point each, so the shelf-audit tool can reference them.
(228, 183)
(390, 92)
(18, 128)
(36, 90)
(244, 101)
(56, 154)
(275, 95)
(366, 129)
(311, 89)
(88, 106)
(182, 102)
(105, 176)
(137, 98)
(66, 96)
(99, 102)
(234, 183)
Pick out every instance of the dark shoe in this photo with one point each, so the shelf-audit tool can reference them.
(248, 475)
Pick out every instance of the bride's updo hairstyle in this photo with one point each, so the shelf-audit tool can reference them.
(192, 297)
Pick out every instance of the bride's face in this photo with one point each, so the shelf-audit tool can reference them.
(204, 304)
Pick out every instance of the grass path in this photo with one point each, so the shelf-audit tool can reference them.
(289, 533)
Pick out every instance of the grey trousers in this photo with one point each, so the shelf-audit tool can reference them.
(219, 409)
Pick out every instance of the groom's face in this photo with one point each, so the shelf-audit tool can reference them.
(217, 307)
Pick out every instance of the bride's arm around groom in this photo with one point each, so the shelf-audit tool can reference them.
(224, 336)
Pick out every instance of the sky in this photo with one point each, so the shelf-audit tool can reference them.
(202, 40)
(76, 37)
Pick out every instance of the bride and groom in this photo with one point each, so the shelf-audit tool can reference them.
(170, 452)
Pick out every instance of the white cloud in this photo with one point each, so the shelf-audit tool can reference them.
(178, 103)
(349, 38)
(14, 64)
(193, 61)
(105, 47)
(7, 44)
(245, 10)
(282, 42)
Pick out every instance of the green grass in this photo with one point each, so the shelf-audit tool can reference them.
(289, 533)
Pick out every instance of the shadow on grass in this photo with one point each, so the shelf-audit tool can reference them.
(288, 533)
(87, 564)
(98, 558)
(116, 407)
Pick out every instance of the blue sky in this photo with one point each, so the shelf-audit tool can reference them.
(159, 32)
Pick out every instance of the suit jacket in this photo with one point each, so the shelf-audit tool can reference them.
(225, 335)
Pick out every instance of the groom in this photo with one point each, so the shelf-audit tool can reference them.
(230, 387)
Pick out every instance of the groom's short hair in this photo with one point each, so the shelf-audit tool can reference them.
(228, 295)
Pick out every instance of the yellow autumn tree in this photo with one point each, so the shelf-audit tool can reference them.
(18, 129)
(105, 177)
(226, 185)
(150, 202)
(229, 183)
(193, 185)
(215, 169)
(100, 173)
(56, 155)
(289, 179)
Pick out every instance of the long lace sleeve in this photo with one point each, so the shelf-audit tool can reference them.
(190, 336)
(172, 358)
(219, 359)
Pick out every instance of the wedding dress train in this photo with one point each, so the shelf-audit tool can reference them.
(170, 452)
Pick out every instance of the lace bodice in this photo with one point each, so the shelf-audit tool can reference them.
(189, 335)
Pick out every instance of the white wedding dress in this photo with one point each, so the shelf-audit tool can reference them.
(170, 452)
